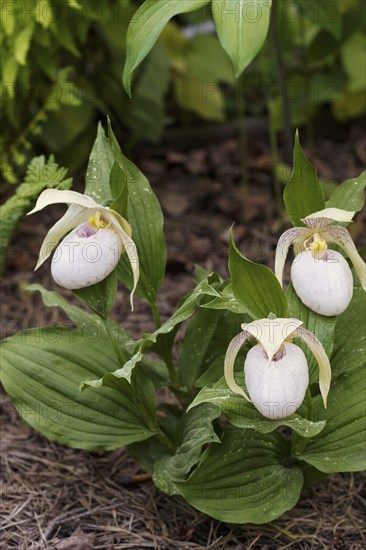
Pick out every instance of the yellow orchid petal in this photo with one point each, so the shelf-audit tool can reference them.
(272, 333)
(231, 354)
(340, 236)
(55, 196)
(295, 236)
(315, 346)
(74, 216)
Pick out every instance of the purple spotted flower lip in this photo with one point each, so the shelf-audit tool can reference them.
(96, 236)
(86, 230)
(276, 370)
(321, 276)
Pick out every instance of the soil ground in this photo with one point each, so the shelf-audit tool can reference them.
(63, 499)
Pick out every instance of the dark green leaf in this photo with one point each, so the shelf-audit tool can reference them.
(245, 479)
(349, 195)
(100, 297)
(255, 287)
(146, 219)
(145, 28)
(195, 431)
(185, 311)
(242, 27)
(99, 168)
(323, 327)
(341, 447)
(303, 193)
(207, 337)
(243, 414)
(350, 336)
(42, 370)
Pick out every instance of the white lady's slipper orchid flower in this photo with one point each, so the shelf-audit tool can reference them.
(321, 277)
(276, 370)
(92, 250)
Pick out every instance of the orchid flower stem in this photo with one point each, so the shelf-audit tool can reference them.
(309, 404)
(156, 314)
(243, 140)
(281, 80)
(166, 442)
(107, 324)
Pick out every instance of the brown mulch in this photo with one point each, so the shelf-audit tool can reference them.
(57, 498)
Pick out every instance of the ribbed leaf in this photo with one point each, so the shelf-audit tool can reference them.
(42, 370)
(145, 28)
(242, 27)
(341, 447)
(255, 287)
(349, 195)
(303, 193)
(243, 414)
(245, 479)
(195, 430)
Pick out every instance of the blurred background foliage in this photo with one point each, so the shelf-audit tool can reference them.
(62, 64)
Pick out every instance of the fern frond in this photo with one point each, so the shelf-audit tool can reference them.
(41, 174)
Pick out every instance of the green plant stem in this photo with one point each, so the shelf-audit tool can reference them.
(281, 78)
(156, 314)
(275, 160)
(107, 324)
(166, 442)
(243, 140)
(300, 443)
(309, 404)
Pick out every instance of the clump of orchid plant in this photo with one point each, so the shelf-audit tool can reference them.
(276, 370)
(218, 440)
(321, 276)
(96, 237)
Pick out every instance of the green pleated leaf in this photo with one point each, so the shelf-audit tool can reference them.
(146, 219)
(321, 326)
(100, 164)
(303, 193)
(185, 311)
(145, 28)
(350, 336)
(349, 195)
(207, 337)
(195, 430)
(255, 287)
(341, 447)
(245, 479)
(243, 414)
(100, 297)
(226, 301)
(242, 27)
(75, 314)
(42, 370)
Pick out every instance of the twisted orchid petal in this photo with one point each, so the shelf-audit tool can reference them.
(124, 230)
(340, 236)
(295, 236)
(56, 196)
(315, 346)
(74, 216)
(231, 353)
